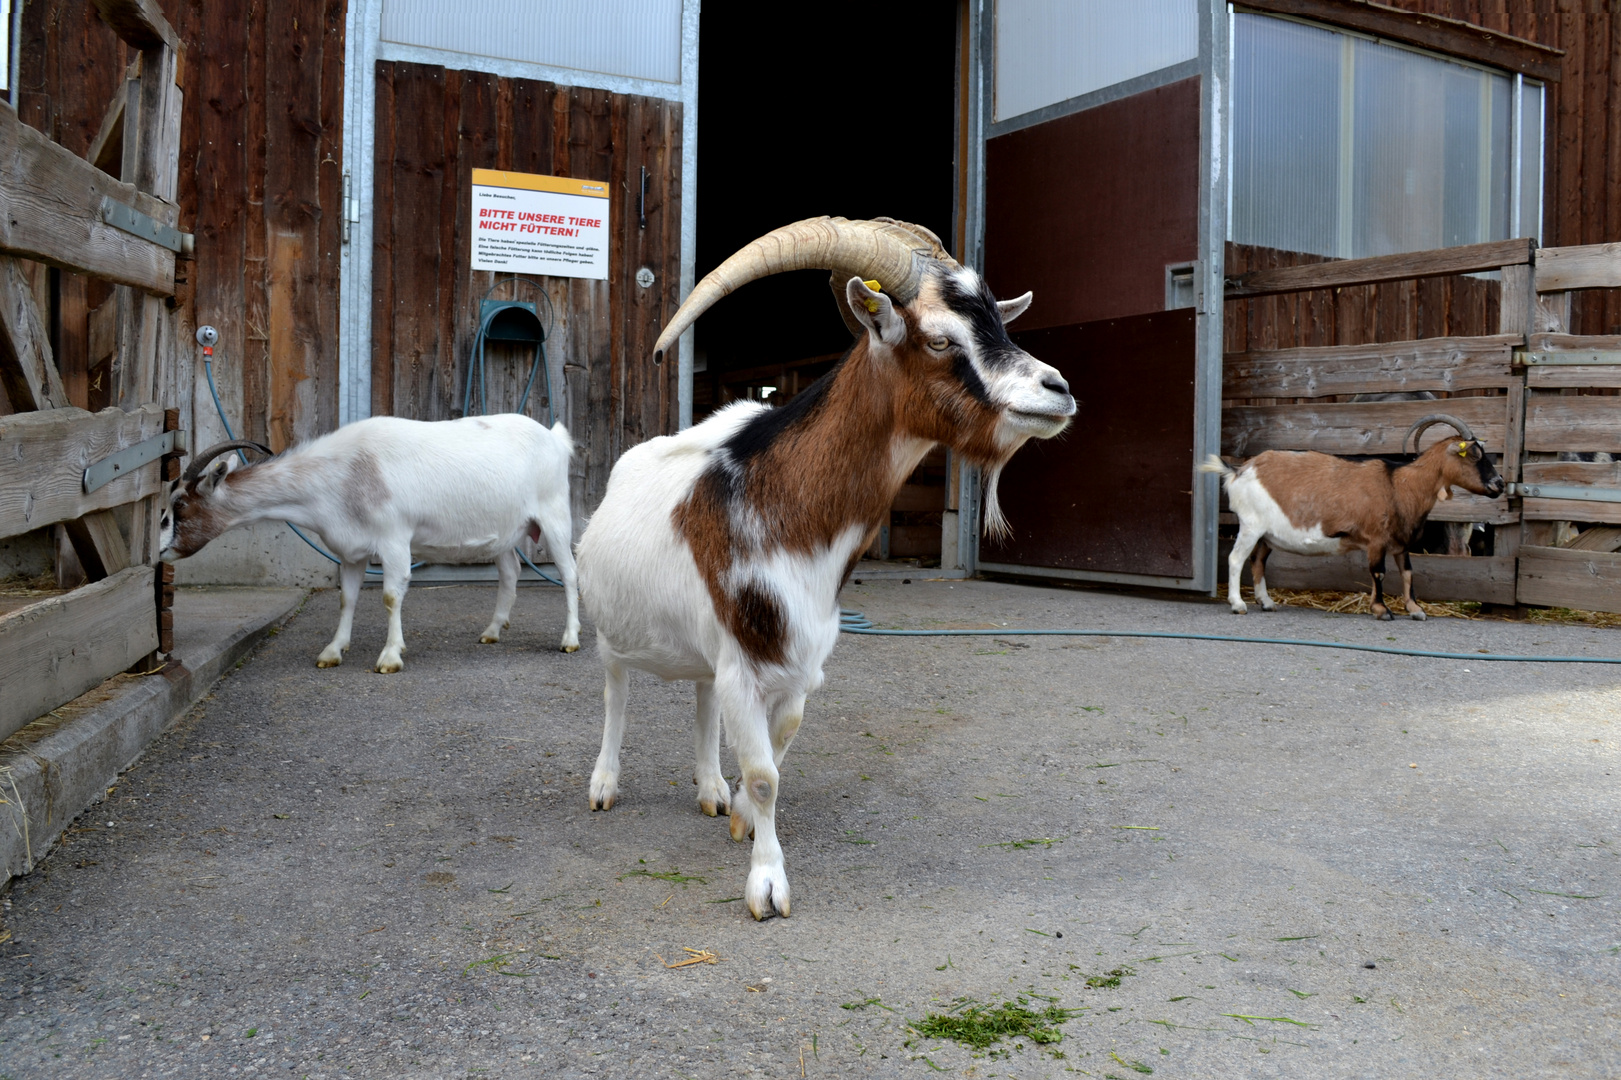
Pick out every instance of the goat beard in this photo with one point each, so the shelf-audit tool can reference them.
(996, 526)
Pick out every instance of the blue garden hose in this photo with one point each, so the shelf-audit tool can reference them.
(854, 622)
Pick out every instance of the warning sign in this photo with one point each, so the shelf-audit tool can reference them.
(524, 223)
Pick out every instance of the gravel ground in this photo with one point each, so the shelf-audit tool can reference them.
(1295, 861)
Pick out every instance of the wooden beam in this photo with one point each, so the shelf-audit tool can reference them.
(1468, 259)
(107, 148)
(1573, 343)
(43, 456)
(1488, 579)
(55, 650)
(27, 368)
(1587, 423)
(1589, 266)
(140, 23)
(1559, 577)
(1572, 510)
(1443, 35)
(100, 544)
(1466, 507)
(1394, 367)
(50, 211)
(1373, 428)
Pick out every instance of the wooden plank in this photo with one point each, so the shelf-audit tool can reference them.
(1559, 376)
(1588, 266)
(1373, 428)
(43, 456)
(1489, 579)
(107, 148)
(1451, 36)
(1559, 577)
(1467, 259)
(55, 650)
(1573, 343)
(100, 545)
(1557, 422)
(27, 368)
(1466, 507)
(1437, 364)
(50, 211)
(138, 22)
(1598, 474)
(1570, 510)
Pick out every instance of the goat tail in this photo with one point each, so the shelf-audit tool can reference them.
(562, 434)
(1214, 464)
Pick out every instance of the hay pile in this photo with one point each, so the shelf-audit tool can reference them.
(1361, 603)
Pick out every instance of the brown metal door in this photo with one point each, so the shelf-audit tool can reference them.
(1089, 211)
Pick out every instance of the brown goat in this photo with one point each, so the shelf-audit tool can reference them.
(1318, 504)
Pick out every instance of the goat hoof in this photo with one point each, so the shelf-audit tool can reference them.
(327, 661)
(1384, 616)
(1240, 610)
(571, 648)
(1417, 615)
(489, 639)
(389, 668)
(604, 791)
(741, 827)
(767, 892)
(714, 798)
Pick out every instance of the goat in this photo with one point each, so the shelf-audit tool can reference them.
(1317, 504)
(455, 491)
(717, 554)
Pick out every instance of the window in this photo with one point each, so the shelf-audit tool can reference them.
(1350, 147)
(639, 39)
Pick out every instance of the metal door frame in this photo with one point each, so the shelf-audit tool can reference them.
(1212, 66)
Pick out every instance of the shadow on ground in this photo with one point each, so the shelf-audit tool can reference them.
(1293, 862)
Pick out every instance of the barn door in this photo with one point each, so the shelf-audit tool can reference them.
(1101, 194)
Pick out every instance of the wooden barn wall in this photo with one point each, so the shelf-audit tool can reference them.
(1581, 202)
(260, 186)
(434, 126)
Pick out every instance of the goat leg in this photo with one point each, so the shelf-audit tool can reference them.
(350, 576)
(506, 568)
(1413, 610)
(1376, 568)
(714, 794)
(396, 580)
(754, 805)
(1258, 572)
(605, 777)
(1235, 566)
(557, 525)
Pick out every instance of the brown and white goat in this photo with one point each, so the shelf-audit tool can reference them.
(717, 555)
(1317, 504)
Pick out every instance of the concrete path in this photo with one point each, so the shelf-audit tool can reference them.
(1294, 862)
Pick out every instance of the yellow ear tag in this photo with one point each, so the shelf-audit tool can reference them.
(1463, 449)
(872, 304)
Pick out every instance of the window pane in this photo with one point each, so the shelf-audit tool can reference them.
(1049, 51)
(640, 39)
(1286, 107)
(1531, 161)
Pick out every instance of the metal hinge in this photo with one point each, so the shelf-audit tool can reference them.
(1532, 358)
(351, 207)
(131, 458)
(130, 220)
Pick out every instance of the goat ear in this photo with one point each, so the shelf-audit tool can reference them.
(876, 312)
(216, 472)
(1012, 309)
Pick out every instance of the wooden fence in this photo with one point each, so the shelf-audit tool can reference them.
(1533, 393)
(98, 474)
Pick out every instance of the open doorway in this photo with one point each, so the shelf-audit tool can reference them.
(794, 123)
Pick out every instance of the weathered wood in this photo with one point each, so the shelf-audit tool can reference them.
(107, 148)
(1589, 266)
(138, 22)
(1437, 364)
(55, 650)
(1573, 343)
(1559, 577)
(1601, 538)
(1488, 579)
(1514, 437)
(1559, 376)
(1558, 422)
(43, 456)
(50, 211)
(1374, 428)
(100, 544)
(1451, 36)
(1516, 312)
(1469, 258)
(1598, 474)
(1570, 510)
(1466, 507)
(27, 368)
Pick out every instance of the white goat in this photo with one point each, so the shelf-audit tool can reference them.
(717, 554)
(454, 491)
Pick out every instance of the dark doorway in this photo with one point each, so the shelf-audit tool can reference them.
(799, 117)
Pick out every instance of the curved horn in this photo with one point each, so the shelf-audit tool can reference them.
(200, 461)
(1430, 421)
(893, 253)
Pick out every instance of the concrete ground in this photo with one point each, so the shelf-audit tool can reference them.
(1296, 862)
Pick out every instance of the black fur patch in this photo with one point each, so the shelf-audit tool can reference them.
(761, 431)
(984, 319)
(758, 624)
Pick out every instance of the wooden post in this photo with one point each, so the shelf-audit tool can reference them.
(1517, 314)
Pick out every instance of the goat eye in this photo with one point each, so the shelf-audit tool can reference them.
(940, 344)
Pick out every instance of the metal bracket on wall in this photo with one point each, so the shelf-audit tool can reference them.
(130, 458)
(132, 221)
(1574, 492)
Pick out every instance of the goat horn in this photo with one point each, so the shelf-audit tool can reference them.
(890, 251)
(200, 461)
(1430, 421)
